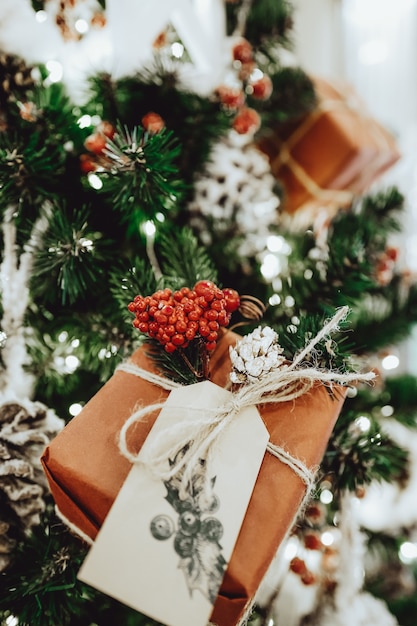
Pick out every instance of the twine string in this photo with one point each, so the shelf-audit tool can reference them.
(201, 433)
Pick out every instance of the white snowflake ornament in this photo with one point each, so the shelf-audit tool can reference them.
(255, 355)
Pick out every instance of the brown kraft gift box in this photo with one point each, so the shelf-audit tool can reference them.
(86, 470)
(335, 152)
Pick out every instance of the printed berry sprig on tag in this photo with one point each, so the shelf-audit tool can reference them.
(196, 531)
(175, 319)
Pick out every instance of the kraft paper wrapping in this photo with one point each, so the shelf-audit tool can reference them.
(86, 470)
(331, 155)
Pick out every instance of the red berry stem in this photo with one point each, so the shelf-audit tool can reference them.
(203, 374)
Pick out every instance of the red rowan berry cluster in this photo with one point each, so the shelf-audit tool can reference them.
(176, 318)
(251, 82)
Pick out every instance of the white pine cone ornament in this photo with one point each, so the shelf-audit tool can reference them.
(236, 195)
(255, 355)
(25, 429)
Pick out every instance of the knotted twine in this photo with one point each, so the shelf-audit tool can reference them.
(281, 385)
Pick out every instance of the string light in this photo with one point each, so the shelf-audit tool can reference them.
(291, 548)
(390, 362)
(326, 496)
(387, 410)
(363, 423)
(81, 26)
(63, 336)
(271, 266)
(41, 16)
(75, 408)
(408, 552)
(55, 71)
(275, 300)
(84, 121)
(177, 50)
(275, 243)
(94, 181)
(149, 228)
(71, 363)
(327, 538)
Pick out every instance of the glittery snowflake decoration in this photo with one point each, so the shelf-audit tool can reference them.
(255, 355)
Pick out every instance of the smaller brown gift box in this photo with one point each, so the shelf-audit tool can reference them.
(332, 154)
(86, 470)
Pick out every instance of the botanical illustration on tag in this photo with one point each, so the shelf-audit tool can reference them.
(196, 531)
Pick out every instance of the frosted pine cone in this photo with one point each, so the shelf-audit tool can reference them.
(25, 429)
(237, 194)
(255, 355)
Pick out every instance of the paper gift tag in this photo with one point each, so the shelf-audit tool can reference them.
(165, 555)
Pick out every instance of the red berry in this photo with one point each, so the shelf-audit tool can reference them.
(211, 315)
(211, 346)
(230, 97)
(223, 318)
(194, 315)
(181, 326)
(262, 88)
(392, 253)
(87, 164)
(247, 120)
(203, 287)
(298, 565)
(152, 122)
(242, 51)
(203, 301)
(169, 347)
(204, 330)
(232, 300)
(95, 143)
(217, 305)
(308, 578)
(178, 339)
(188, 305)
(160, 318)
(107, 129)
(312, 541)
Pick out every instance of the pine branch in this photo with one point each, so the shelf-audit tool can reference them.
(293, 96)
(139, 175)
(268, 23)
(355, 457)
(184, 260)
(27, 169)
(195, 121)
(70, 258)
